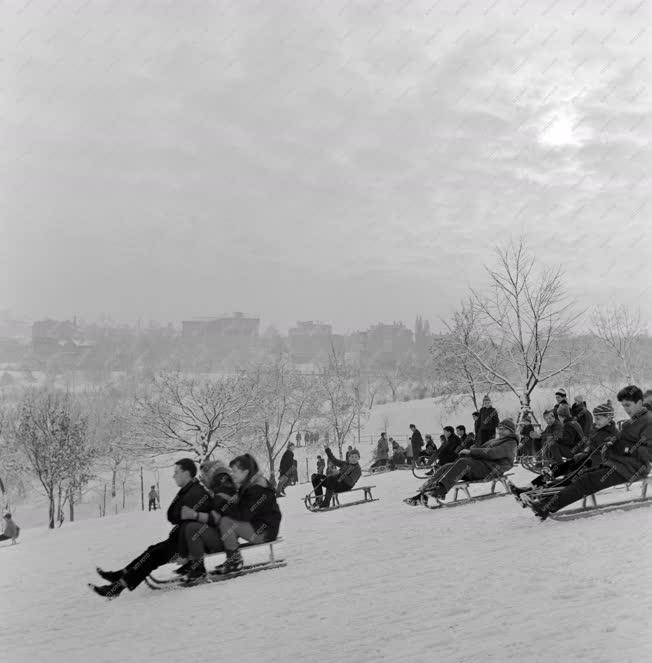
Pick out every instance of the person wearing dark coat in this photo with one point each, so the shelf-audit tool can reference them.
(398, 454)
(582, 415)
(625, 460)
(11, 530)
(604, 434)
(429, 453)
(483, 462)
(251, 514)
(416, 441)
(348, 475)
(542, 441)
(476, 424)
(488, 422)
(460, 431)
(321, 465)
(560, 397)
(192, 494)
(572, 438)
(285, 469)
(448, 450)
(382, 451)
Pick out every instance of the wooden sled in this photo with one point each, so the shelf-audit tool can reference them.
(309, 499)
(594, 509)
(271, 563)
(464, 487)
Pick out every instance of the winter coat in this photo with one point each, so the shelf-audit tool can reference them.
(321, 464)
(382, 449)
(563, 401)
(572, 438)
(153, 495)
(222, 488)
(285, 466)
(192, 495)
(416, 443)
(488, 424)
(11, 529)
(349, 472)
(398, 457)
(498, 453)
(631, 453)
(595, 443)
(448, 450)
(255, 503)
(583, 416)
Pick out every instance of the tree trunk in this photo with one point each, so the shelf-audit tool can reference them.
(104, 502)
(123, 494)
(113, 475)
(142, 490)
(71, 505)
(270, 456)
(51, 510)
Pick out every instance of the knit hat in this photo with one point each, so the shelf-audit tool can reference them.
(603, 410)
(561, 392)
(508, 424)
(563, 412)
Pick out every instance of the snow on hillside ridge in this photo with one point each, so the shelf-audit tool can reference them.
(482, 583)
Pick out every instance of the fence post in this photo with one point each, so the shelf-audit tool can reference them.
(307, 471)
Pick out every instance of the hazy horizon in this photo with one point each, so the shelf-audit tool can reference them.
(349, 163)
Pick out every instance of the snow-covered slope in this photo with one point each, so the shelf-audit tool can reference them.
(384, 581)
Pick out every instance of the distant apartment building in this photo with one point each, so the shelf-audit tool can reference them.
(309, 339)
(228, 332)
(383, 341)
(56, 336)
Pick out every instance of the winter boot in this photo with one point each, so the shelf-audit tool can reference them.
(539, 508)
(195, 573)
(518, 493)
(232, 564)
(184, 568)
(413, 501)
(111, 591)
(109, 576)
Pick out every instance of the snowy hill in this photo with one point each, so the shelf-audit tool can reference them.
(480, 583)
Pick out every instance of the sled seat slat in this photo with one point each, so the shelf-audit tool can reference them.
(464, 485)
(366, 489)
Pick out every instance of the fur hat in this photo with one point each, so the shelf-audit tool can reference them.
(212, 467)
(561, 392)
(603, 410)
(508, 424)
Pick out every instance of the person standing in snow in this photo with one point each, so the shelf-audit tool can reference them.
(416, 442)
(285, 470)
(192, 494)
(11, 530)
(382, 452)
(560, 397)
(153, 498)
(483, 462)
(488, 417)
(581, 413)
(321, 465)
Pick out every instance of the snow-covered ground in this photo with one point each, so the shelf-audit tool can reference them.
(382, 581)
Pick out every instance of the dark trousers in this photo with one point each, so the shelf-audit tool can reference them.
(463, 468)
(332, 485)
(283, 481)
(584, 484)
(4, 537)
(156, 555)
(152, 503)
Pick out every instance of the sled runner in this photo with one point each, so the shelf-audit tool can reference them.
(379, 470)
(177, 581)
(464, 487)
(309, 499)
(587, 511)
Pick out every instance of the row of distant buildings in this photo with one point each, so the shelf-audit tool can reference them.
(307, 339)
(234, 332)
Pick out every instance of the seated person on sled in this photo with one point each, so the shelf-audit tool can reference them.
(429, 453)
(542, 441)
(448, 449)
(398, 454)
(625, 460)
(604, 433)
(484, 462)
(11, 530)
(571, 441)
(343, 481)
(251, 514)
(192, 495)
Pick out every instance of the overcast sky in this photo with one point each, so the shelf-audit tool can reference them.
(344, 161)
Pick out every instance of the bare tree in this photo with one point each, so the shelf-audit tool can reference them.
(620, 329)
(284, 402)
(521, 317)
(337, 383)
(194, 415)
(51, 431)
(457, 370)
